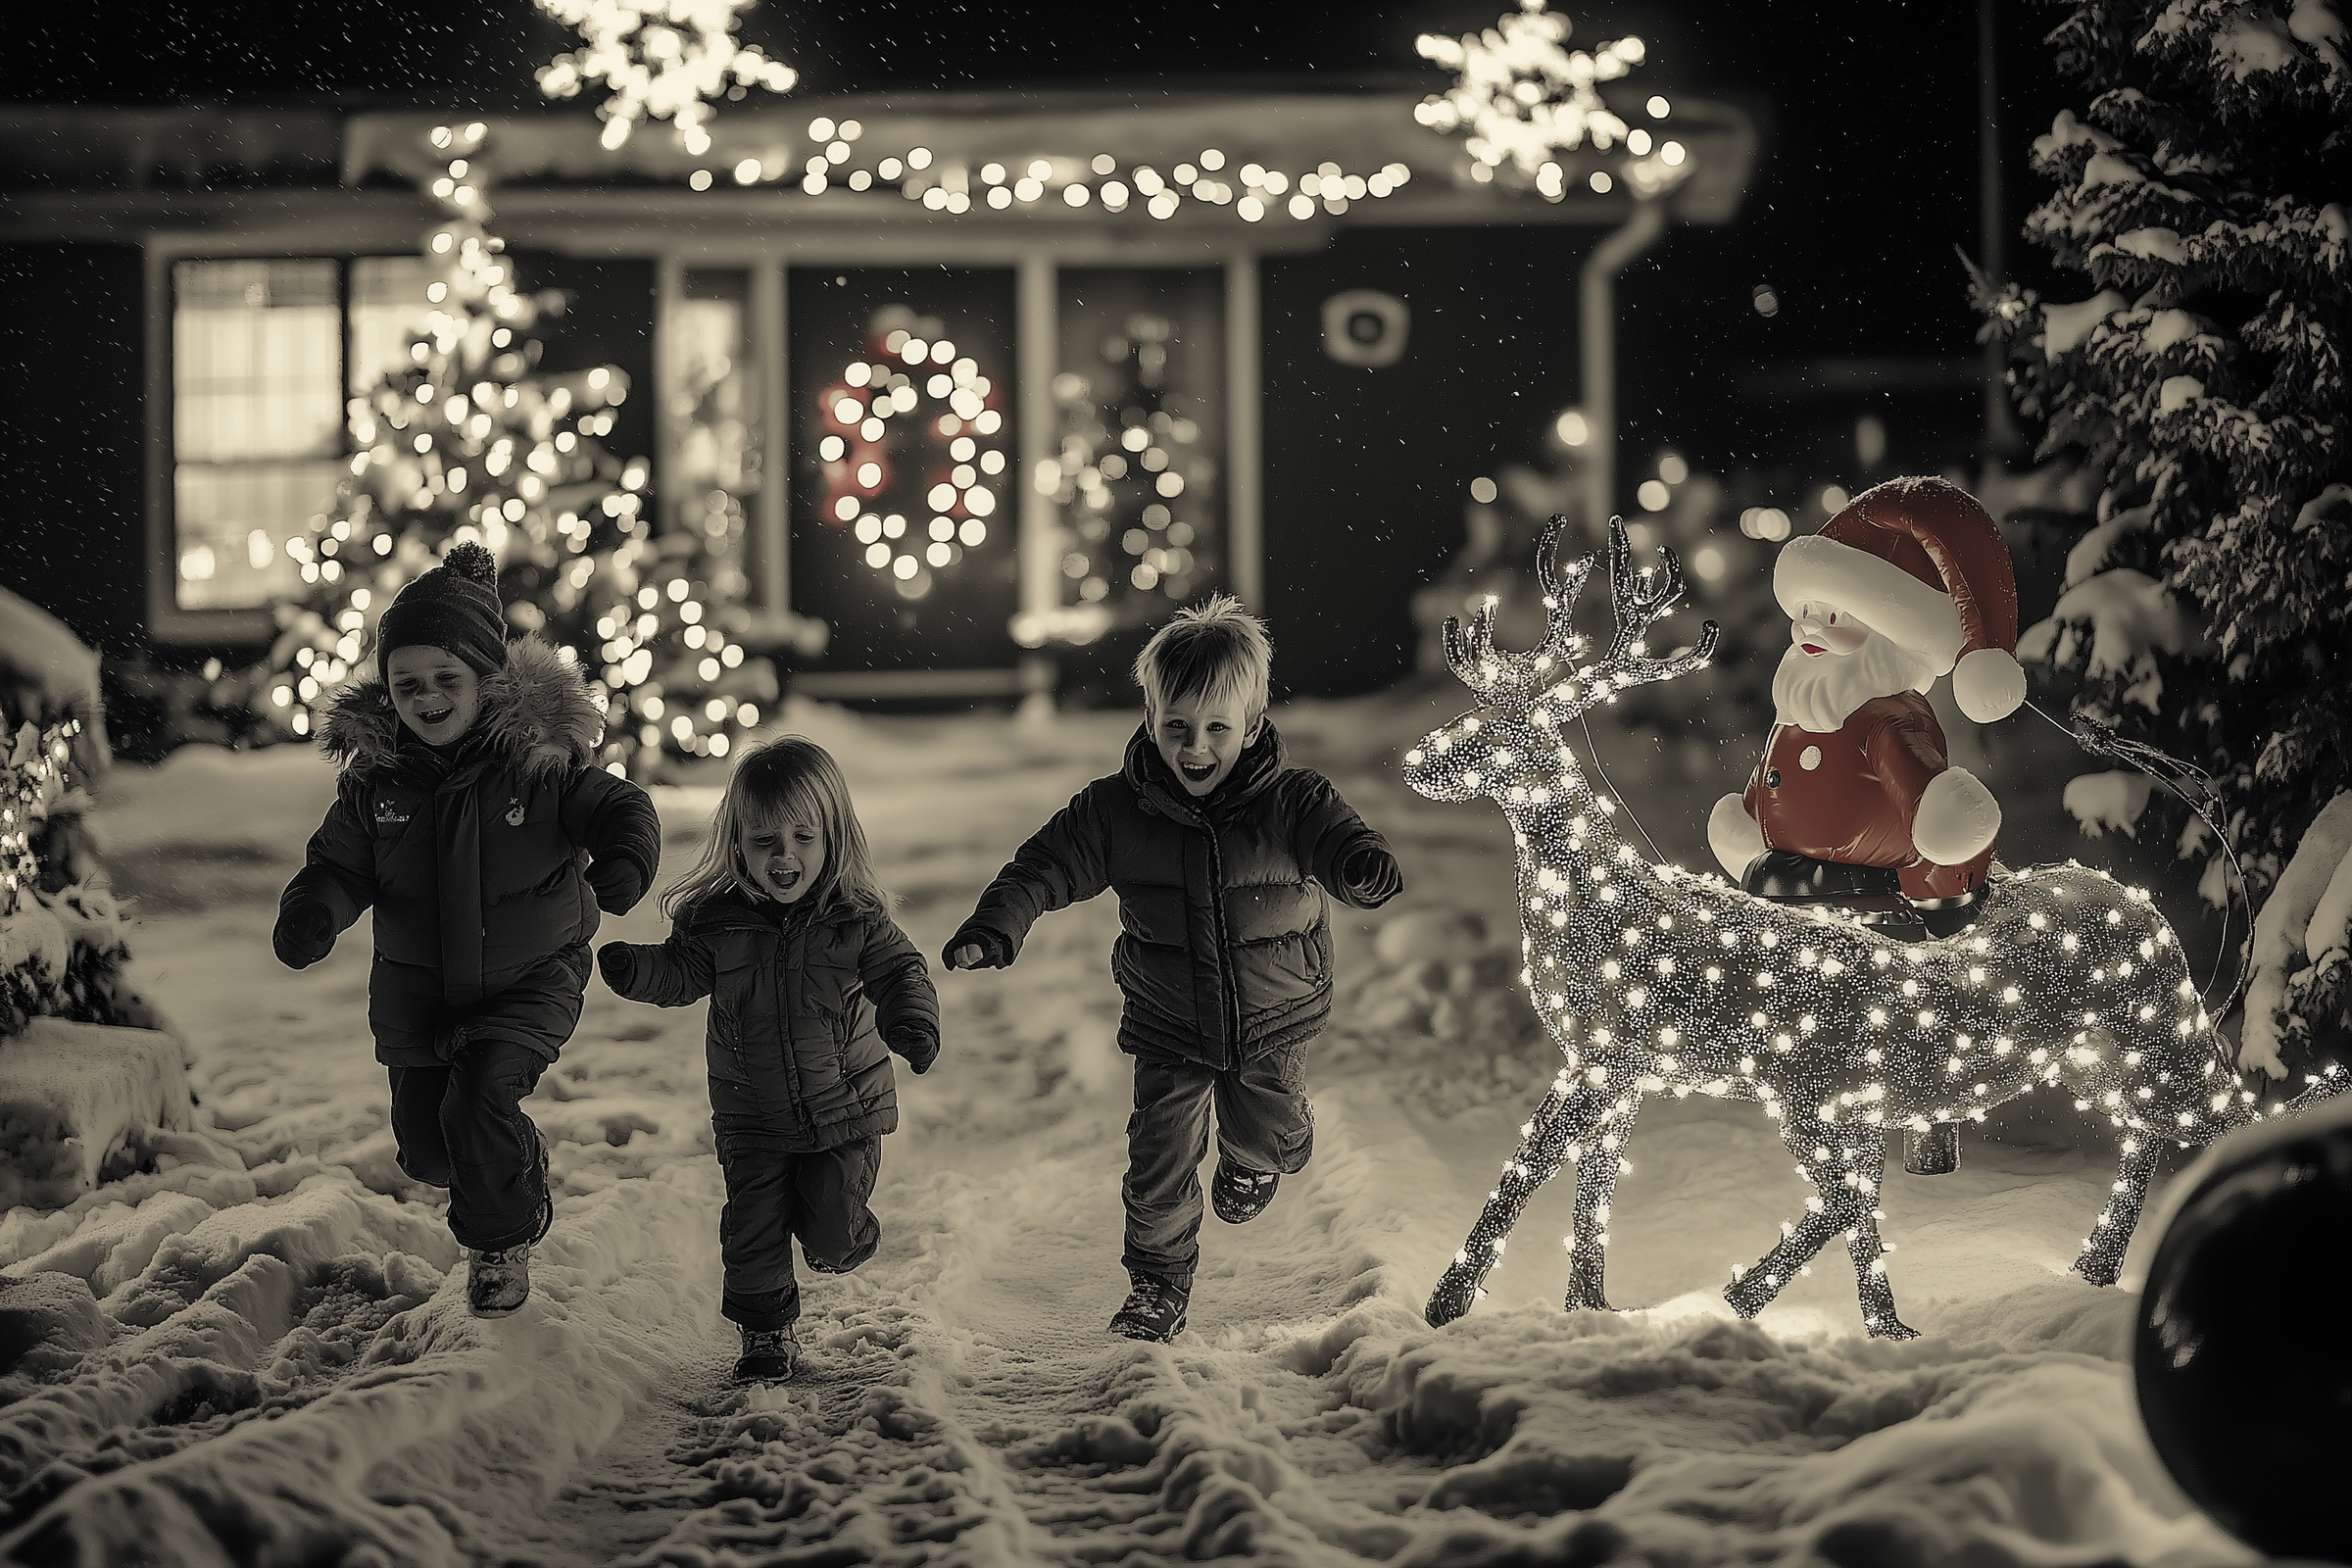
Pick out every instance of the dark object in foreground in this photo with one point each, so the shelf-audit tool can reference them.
(2244, 1377)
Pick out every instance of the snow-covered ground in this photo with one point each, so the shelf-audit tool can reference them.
(274, 1363)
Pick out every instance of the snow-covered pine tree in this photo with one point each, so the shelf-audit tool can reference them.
(468, 440)
(2201, 196)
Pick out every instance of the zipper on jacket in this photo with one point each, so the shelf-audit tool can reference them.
(1225, 969)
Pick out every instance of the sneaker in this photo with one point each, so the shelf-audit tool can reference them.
(769, 1356)
(497, 1284)
(1238, 1193)
(1154, 1311)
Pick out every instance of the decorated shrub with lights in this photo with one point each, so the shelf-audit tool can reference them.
(468, 440)
(1653, 979)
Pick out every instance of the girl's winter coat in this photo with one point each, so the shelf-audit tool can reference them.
(805, 1005)
(483, 862)
(1224, 946)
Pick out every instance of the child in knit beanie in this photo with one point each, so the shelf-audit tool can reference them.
(470, 814)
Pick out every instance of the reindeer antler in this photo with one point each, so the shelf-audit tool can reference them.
(1640, 599)
(1493, 672)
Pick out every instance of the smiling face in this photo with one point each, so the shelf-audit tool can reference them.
(1200, 737)
(784, 857)
(435, 693)
(1826, 631)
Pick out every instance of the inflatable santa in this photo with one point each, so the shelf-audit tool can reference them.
(1911, 581)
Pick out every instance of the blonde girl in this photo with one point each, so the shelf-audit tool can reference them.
(812, 984)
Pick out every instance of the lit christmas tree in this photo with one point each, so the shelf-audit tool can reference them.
(2204, 379)
(467, 440)
(1135, 490)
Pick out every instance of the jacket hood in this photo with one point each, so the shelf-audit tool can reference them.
(1255, 768)
(536, 717)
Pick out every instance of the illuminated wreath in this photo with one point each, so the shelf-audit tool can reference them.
(908, 377)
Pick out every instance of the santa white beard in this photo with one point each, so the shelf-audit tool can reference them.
(1819, 692)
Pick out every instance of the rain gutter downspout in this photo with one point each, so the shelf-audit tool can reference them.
(1597, 333)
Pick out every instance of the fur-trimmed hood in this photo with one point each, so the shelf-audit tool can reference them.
(536, 716)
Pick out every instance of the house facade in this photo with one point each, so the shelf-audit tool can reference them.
(981, 382)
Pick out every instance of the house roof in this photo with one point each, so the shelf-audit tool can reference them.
(862, 172)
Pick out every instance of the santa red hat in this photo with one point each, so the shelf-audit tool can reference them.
(1921, 562)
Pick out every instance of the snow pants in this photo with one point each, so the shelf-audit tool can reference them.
(1264, 1123)
(775, 1193)
(462, 1126)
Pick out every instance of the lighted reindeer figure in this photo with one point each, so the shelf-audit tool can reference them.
(1653, 979)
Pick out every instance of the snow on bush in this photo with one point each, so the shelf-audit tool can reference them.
(78, 1101)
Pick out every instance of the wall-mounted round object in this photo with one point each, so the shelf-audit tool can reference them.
(1365, 326)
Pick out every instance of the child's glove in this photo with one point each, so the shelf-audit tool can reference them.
(617, 965)
(305, 934)
(618, 883)
(921, 1055)
(977, 947)
(1372, 876)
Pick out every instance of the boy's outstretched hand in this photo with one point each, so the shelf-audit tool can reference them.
(305, 934)
(976, 947)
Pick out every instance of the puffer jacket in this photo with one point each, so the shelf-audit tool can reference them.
(1224, 946)
(806, 1007)
(481, 862)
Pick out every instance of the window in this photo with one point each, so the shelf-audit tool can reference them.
(259, 379)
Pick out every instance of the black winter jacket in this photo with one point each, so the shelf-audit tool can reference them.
(1224, 946)
(806, 1007)
(481, 862)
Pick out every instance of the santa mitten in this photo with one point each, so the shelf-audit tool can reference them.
(1988, 684)
(1958, 818)
(1733, 836)
(305, 934)
(619, 965)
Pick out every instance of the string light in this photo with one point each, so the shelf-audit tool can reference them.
(32, 781)
(2066, 980)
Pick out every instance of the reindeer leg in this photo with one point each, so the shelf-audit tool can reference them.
(1755, 1286)
(1860, 1204)
(1596, 1162)
(1564, 1115)
(2102, 1257)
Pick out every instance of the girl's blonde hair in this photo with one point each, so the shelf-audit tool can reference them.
(789, 776)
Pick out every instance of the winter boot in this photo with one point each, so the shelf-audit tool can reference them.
(497, 1284)
(1154, 1311)
(1238, 1193)
(769, 1356)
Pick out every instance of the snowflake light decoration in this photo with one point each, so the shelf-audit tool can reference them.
(1523, 97)
(1653, 979)
(663, 59)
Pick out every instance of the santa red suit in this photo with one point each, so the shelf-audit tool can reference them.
(1909, 581)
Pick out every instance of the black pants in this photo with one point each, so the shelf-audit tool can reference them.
(462, 1126)
(774, 1194)
(1263, 1123)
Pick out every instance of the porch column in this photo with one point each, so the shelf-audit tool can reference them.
(670, 287)
(1037, 328)
(1244, 528)
(771, 532)
(1596, 326)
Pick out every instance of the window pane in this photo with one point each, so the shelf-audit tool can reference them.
(258, 422)
(388, 305)
(233, 523)
(256, 348)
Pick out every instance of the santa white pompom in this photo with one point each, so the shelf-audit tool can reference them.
(1910, 581)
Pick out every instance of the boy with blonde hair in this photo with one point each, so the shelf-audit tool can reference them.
(1220, 855)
